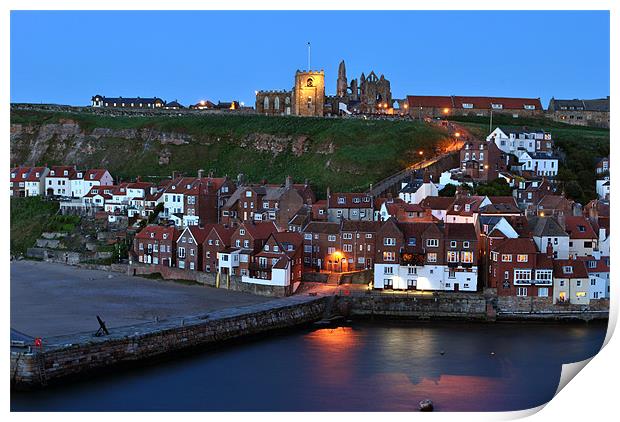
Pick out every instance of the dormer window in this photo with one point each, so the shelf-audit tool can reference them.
(241, 232)
(468, 105)
(341, 200)
(356, 200)
(12, 175)
(266, 248)
(52, 172)
(367, 199)
(37, 174)
(581, 228)
(529, 107)
(165, 236)
(248, 193)
(276, 249)
(92, 176)
(568, 269)
(456, 208)
(497, 106)
(467, 207)
(152, 235)
(66, 173)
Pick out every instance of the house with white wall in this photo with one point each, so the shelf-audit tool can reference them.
(546, 230)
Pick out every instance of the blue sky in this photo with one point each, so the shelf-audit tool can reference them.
(66, 57)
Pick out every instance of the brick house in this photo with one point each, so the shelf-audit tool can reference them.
(358, 244)
(246, 240)
(482, 161)
(218, 240)
(426, 256)
(322, 246)
(277, 203)
(529, 192)
(189, 247)
(278, 262)
(553, 206)
(547, 230)
(516, 268)
(602, 166)
(156, 245)
(190, 201)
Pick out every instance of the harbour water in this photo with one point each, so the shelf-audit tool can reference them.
(364, 366)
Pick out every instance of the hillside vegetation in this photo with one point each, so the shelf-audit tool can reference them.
(345, 154)
(29, 218)
(579, 148)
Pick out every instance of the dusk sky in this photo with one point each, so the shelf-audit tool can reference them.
(67, 57)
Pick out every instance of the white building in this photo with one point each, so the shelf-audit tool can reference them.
(58, 181)
(541, 164)
(83, 181)
(35, 182)
(547, 230)
(602, 188)
(510, 141)
(415, 192)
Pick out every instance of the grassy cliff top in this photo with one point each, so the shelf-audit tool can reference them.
(345, 154)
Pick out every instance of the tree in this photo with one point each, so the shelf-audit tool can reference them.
(448, 190)
(497, 187)
(574, 191)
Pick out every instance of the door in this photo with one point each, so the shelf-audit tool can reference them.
(456, 287)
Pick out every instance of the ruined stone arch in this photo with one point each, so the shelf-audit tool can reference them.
(276, 103)
(266, 103)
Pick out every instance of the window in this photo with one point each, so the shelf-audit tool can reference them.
(347, 236)
(522, 276)
(431, 257)
(308, 236)
(347, 248)
(331, 238)
(451, 274)
(331, 250)
(543, 292)
(181, 252)
(389, 241)
(465, 245)
(521, 258)
(453, 256)
(453, 244)
(578, 283)
(389, 256)
(246, 243)
(467, 257)
(506, 258)
(522, 291)
(387, 283)
(568, 269)
(432, 243)
(341, 200)
(388, 270)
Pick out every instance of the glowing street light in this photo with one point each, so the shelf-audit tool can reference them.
(421, 152)
(446, 110)
(457, 134)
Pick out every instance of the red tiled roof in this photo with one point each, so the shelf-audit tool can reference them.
(32, 175)
(600, 267)
(21, 173)
(260, 231)
(579, 228)
(463, 231)
(578, 268)
(506, 102)
(520, 245)
(94, 174)
(437, 202)
(429, 101)
(158, 232)
(224, 233)
(59, 171)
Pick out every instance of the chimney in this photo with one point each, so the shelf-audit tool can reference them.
(426, 178)
(288, 182)
(561, 220)
(210, 174)
(240, 179)
(138, 179)
(328, 195)
(602, 234)
(200, 173)
(549, 250)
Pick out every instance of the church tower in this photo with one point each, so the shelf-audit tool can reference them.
(341, 85)
(309, 93)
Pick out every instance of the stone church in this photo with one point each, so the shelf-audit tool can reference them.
(307, 97)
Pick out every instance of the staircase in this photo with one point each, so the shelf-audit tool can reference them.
(333, 278)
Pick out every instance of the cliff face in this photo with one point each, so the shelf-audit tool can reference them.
(344, 154)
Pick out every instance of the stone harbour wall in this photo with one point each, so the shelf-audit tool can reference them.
(424, 306)
(71, 356)
(209, 279)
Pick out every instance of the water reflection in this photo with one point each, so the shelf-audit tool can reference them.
(365, 367)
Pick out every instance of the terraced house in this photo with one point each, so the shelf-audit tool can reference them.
(155, 245)
(426, 256)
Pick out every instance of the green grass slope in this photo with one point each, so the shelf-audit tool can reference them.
(345, 154)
